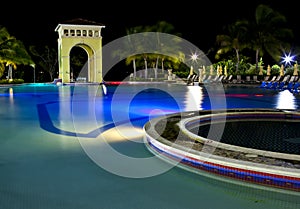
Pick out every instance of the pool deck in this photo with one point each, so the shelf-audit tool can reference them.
(271, 169)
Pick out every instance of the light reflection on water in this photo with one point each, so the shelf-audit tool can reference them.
(42, 164)
(194, 98)
(286, 100)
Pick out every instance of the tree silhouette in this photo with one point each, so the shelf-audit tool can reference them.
(12, 52)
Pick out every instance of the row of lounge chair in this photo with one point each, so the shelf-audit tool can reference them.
(287, 82)
(291, 83)
(192, 79)
(206, 79)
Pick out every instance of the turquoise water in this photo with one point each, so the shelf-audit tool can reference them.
(56, 148)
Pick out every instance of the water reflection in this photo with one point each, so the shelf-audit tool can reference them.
(194, 98)
(35, 147)
(11, 95)
(286, 100)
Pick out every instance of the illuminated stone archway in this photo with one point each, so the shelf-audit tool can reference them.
(87, 35)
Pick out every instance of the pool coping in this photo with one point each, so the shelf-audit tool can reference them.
(196, 161)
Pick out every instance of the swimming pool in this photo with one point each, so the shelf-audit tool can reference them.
(72, 146)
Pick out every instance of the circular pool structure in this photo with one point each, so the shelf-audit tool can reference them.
(259, 146)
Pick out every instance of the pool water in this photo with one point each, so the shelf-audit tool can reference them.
(73, 146)
(274, 136)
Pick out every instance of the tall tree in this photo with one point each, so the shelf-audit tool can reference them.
(232, 39)
(154, 42)
(268, 33)
(47, 57)
(12, 52)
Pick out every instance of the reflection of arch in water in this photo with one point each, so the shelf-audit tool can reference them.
(84, 34)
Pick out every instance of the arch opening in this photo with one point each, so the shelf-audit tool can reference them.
(86, 35)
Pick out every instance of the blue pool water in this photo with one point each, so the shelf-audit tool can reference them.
(74, 147)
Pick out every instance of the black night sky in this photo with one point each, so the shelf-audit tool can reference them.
(198, 21)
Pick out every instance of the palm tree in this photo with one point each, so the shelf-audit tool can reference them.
(268, 33)
(152, 42)
(129, 44)
(167, 50)
(232, 41)
(12, 52)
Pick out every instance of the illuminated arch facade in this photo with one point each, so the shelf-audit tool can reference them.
(87, 35)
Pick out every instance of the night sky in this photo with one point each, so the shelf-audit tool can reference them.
(198, 21)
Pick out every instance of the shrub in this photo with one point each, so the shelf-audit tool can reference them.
(14, 81)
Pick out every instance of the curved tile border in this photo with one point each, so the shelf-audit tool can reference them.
(260, 174)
